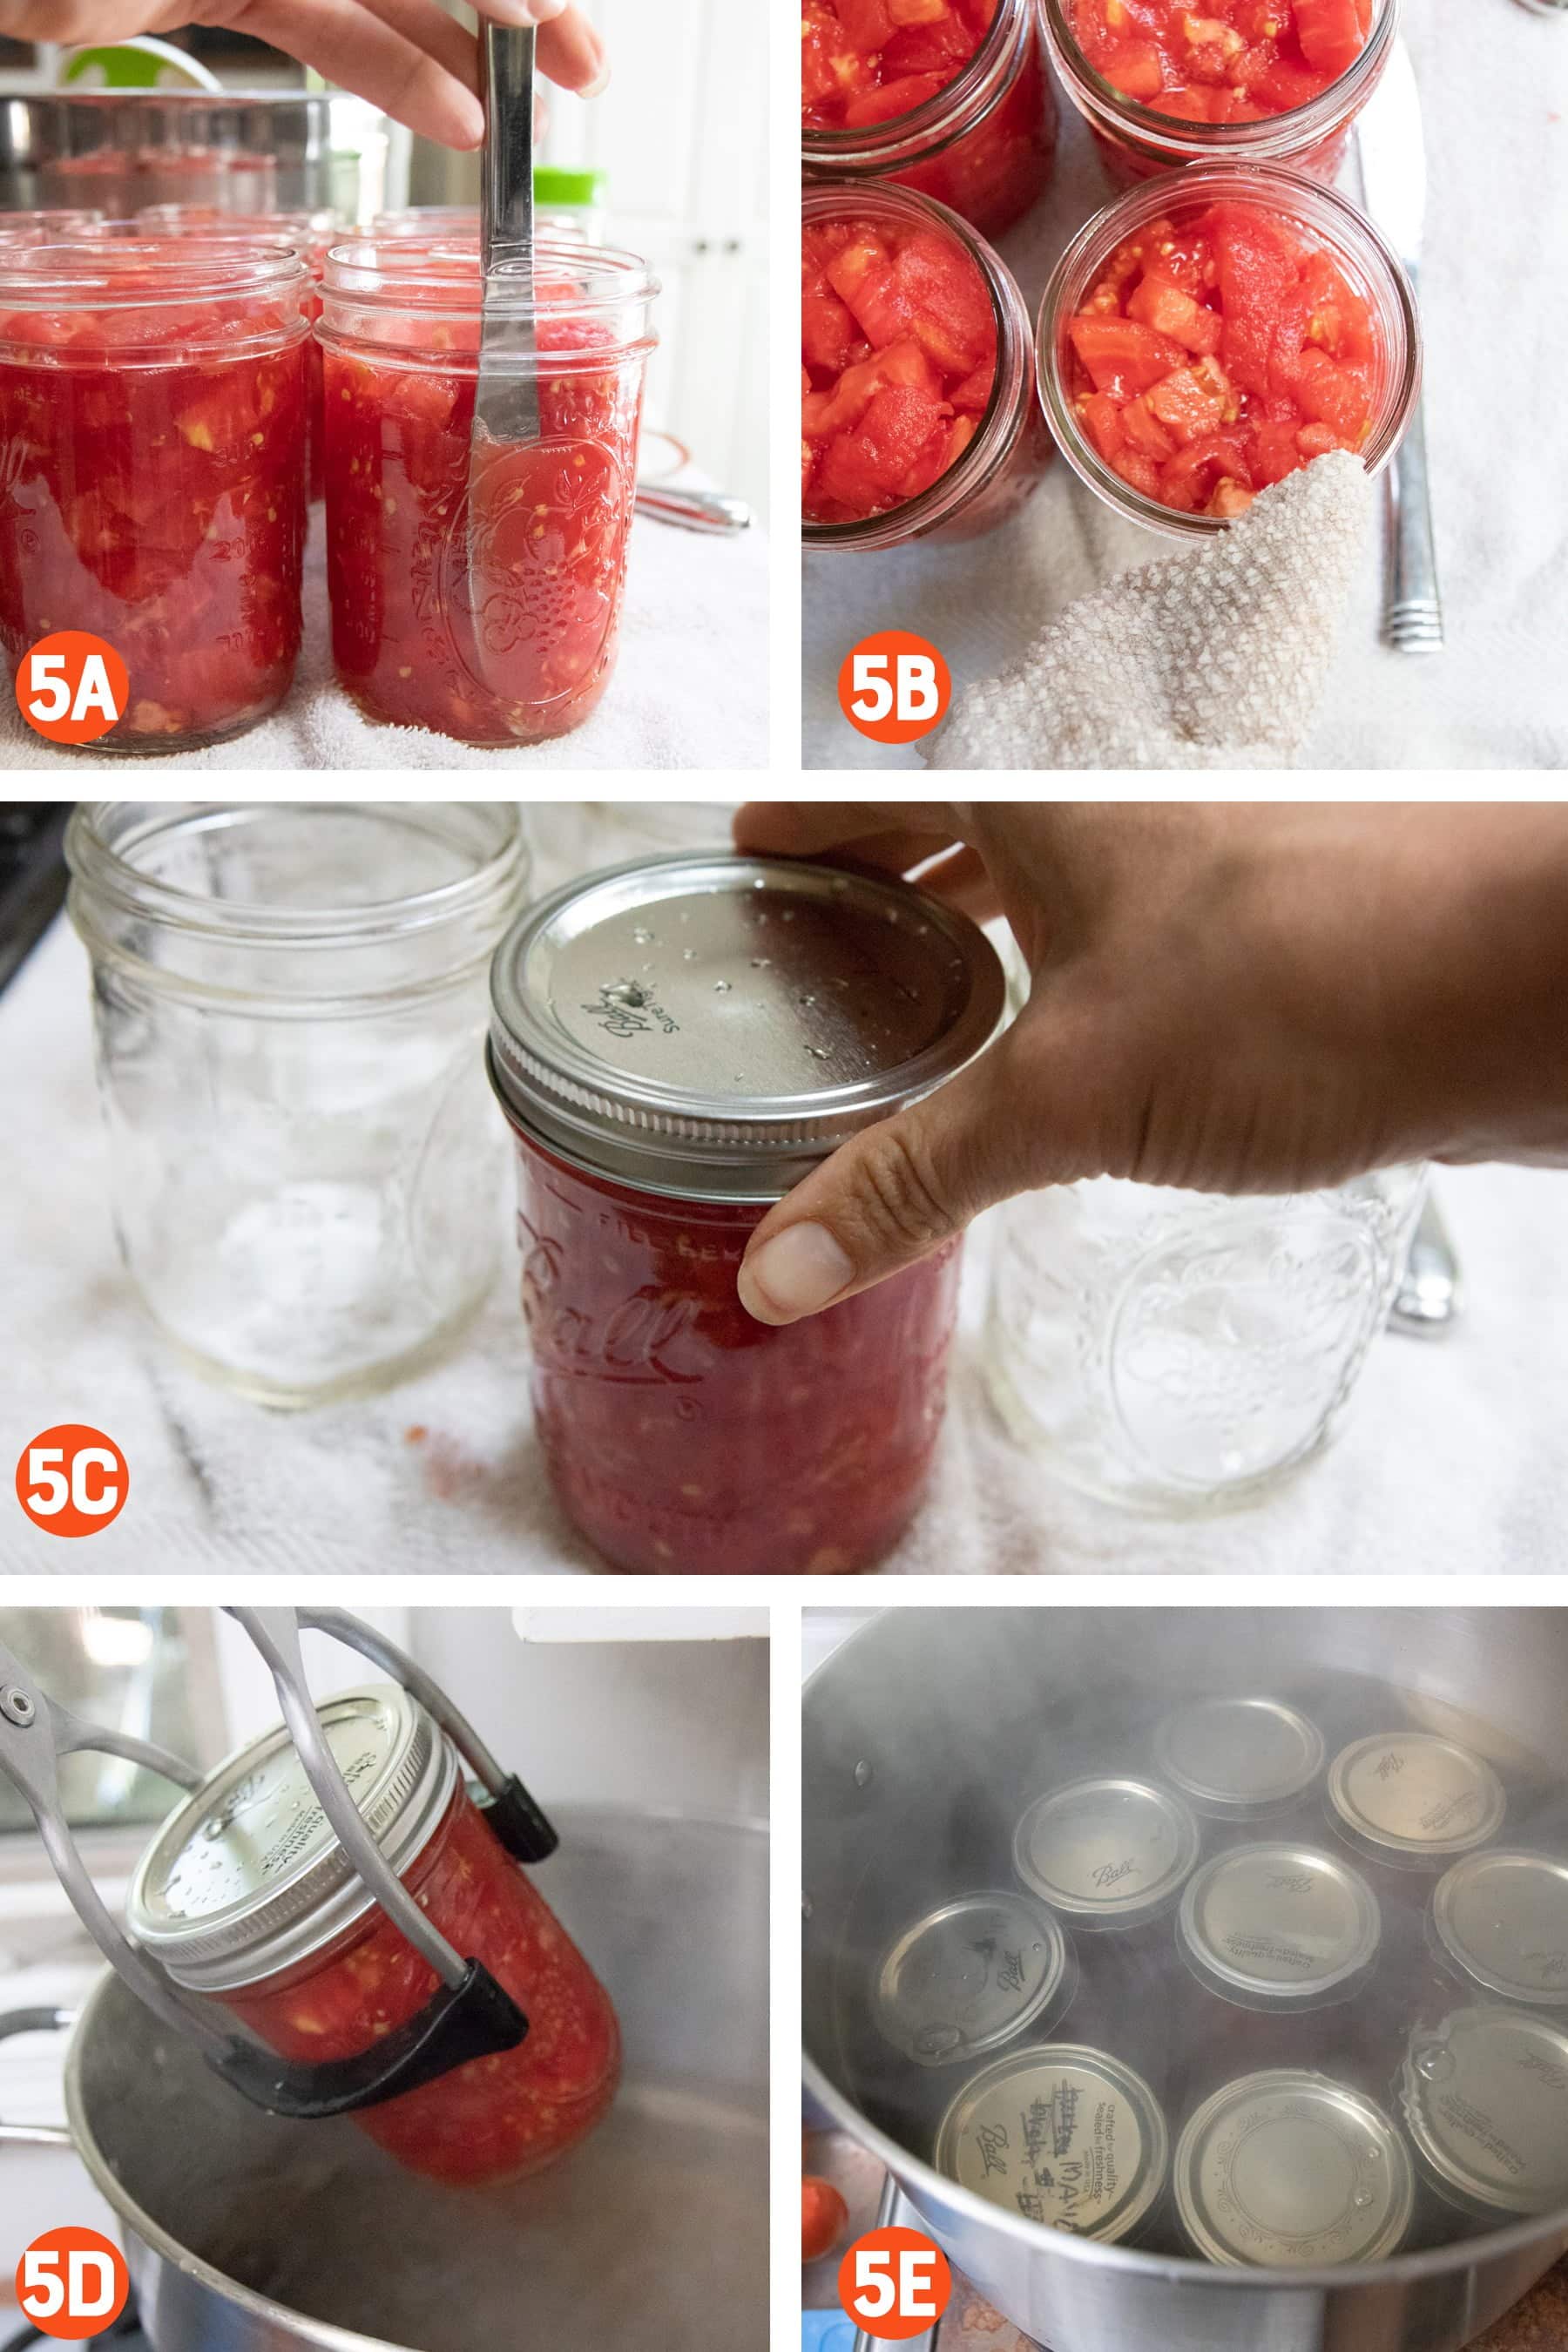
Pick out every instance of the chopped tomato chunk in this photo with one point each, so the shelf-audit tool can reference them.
(1222, 60)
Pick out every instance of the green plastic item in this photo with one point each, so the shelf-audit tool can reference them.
(555, 186)
(140, 63)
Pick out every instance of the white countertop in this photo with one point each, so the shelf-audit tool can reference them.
(1455, 1459)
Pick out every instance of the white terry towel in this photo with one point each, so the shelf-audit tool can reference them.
(1212, 658)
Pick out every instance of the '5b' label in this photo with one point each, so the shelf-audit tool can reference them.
(894, 687)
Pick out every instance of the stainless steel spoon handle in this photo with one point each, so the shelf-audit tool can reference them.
(1413, 610)
(707, 510)
(1431, 1294)
(506, 161)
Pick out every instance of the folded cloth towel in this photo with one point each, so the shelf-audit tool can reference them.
(690, 687)
(1212, 658)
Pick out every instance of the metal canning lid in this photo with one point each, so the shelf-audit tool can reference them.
(1279, 1926)
(1411, 1796)
(1502, 1919)
(1291, 2170)
(1240, 1756)
(712, 1026)
(1063, 2135)
(967, 1978)
(1486, 2101)
(1107, 1852)
(247, 1879)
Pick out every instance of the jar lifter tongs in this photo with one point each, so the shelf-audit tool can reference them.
(469, 2016)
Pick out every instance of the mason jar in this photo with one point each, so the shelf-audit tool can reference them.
(476, 582)
(675, 1043)
(980, 136)
(1290, 2170)
(152, 410)
(998, 443)
(1178, 1352)
(247, 1899)
(290, 1003)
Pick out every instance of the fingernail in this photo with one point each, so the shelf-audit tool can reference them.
(796, 1273)
(523, 11)
(601, 82)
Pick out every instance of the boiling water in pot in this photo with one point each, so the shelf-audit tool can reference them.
(1157, 1987)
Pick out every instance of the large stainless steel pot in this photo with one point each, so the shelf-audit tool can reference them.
(244, 2233)
(285, 134)
(923, 1703)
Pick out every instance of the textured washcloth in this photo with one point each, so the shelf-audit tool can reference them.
(1213, 657)
(1495, 109)
(690, 686)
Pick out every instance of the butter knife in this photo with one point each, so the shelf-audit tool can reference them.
(506, 398)
(1393, 179)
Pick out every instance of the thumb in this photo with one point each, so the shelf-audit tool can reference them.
(890, 1196)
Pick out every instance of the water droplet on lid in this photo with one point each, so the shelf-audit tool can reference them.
(1363, 2198)
(809, 1000)
(689, 955)
(642, 935)
(818, 1053)
(805, 1907)
(760, 963)
(862, 1774)
(623, 991)
(721, 987)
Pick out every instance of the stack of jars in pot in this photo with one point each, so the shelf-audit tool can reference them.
(1221, 325)
(176, 392)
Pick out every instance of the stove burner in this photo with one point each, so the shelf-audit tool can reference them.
(125, 2335)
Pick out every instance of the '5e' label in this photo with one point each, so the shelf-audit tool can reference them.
(895, 2284)
(894, 687)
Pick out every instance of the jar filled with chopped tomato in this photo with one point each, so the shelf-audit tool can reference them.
(152, 410)
(951, 97)
(476, 578)
(1218, 329)
(245, 1897)
(919, 412)
(1163, 84)
(675, 1043)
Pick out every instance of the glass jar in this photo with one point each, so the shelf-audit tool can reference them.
(675, 1043)
(246, 1897)
(289, 1002)
(64, 226)
(153, 412)
(1178, 1352)
(1241, 448)
(1135, 141)
(983, 141)
(1008, 448)
(478, 593)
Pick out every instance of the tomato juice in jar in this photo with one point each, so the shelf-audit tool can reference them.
(920, 417)
(152, 413)
(1215, 329)
(476, 588)
(1243, 81)
(675, 1043)
(245, 1897)
(947, 96)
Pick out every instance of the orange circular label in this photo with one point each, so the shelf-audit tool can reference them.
(72, 688)
(895, 2284)
(72, 2284)
(72, 1480)
(894, 687)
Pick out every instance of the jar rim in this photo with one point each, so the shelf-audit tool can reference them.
(939, 119)
(57, 275)
(442, 278)
(1356, 242)
(1274, 136)
(993, 442)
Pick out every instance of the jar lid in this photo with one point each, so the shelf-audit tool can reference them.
(1502, 1919)
(1486, 2100)
(553, 185)
(712, 1026)
(1237, 1758)
(1412, 1796)
(968, 1976)
(1063, 2135)
(1110, 1852)
(1279, 1926)
(1291, 2170)
(248, 1877)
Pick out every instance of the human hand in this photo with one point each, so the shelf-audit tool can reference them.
(408, 56)
(1227, 996)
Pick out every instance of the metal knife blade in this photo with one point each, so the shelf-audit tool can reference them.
(506, 398)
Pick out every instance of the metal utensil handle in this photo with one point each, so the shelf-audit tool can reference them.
(506, 165)
(896, 2212)
(1430, 1297)
(1412, 610)
(35, 2020)
(704, 510)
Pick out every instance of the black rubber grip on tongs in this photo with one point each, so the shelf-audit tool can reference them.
(477, 2020)
(519, 1823)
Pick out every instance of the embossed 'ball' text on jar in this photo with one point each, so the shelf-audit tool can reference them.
(290, 1005)
(476, 580)
(675, 1043)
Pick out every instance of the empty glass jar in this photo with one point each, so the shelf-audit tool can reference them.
(1177, 1350)
(291, 1005)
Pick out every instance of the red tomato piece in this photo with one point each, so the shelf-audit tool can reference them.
(1221, 60)
(824, 2218)
(1160, 304)
(1122, 356)
(1330, 34)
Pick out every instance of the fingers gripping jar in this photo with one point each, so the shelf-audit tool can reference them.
(477, 591)
(290, 1005)
(247, 1898)
(152, 417)
(675, 1043)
